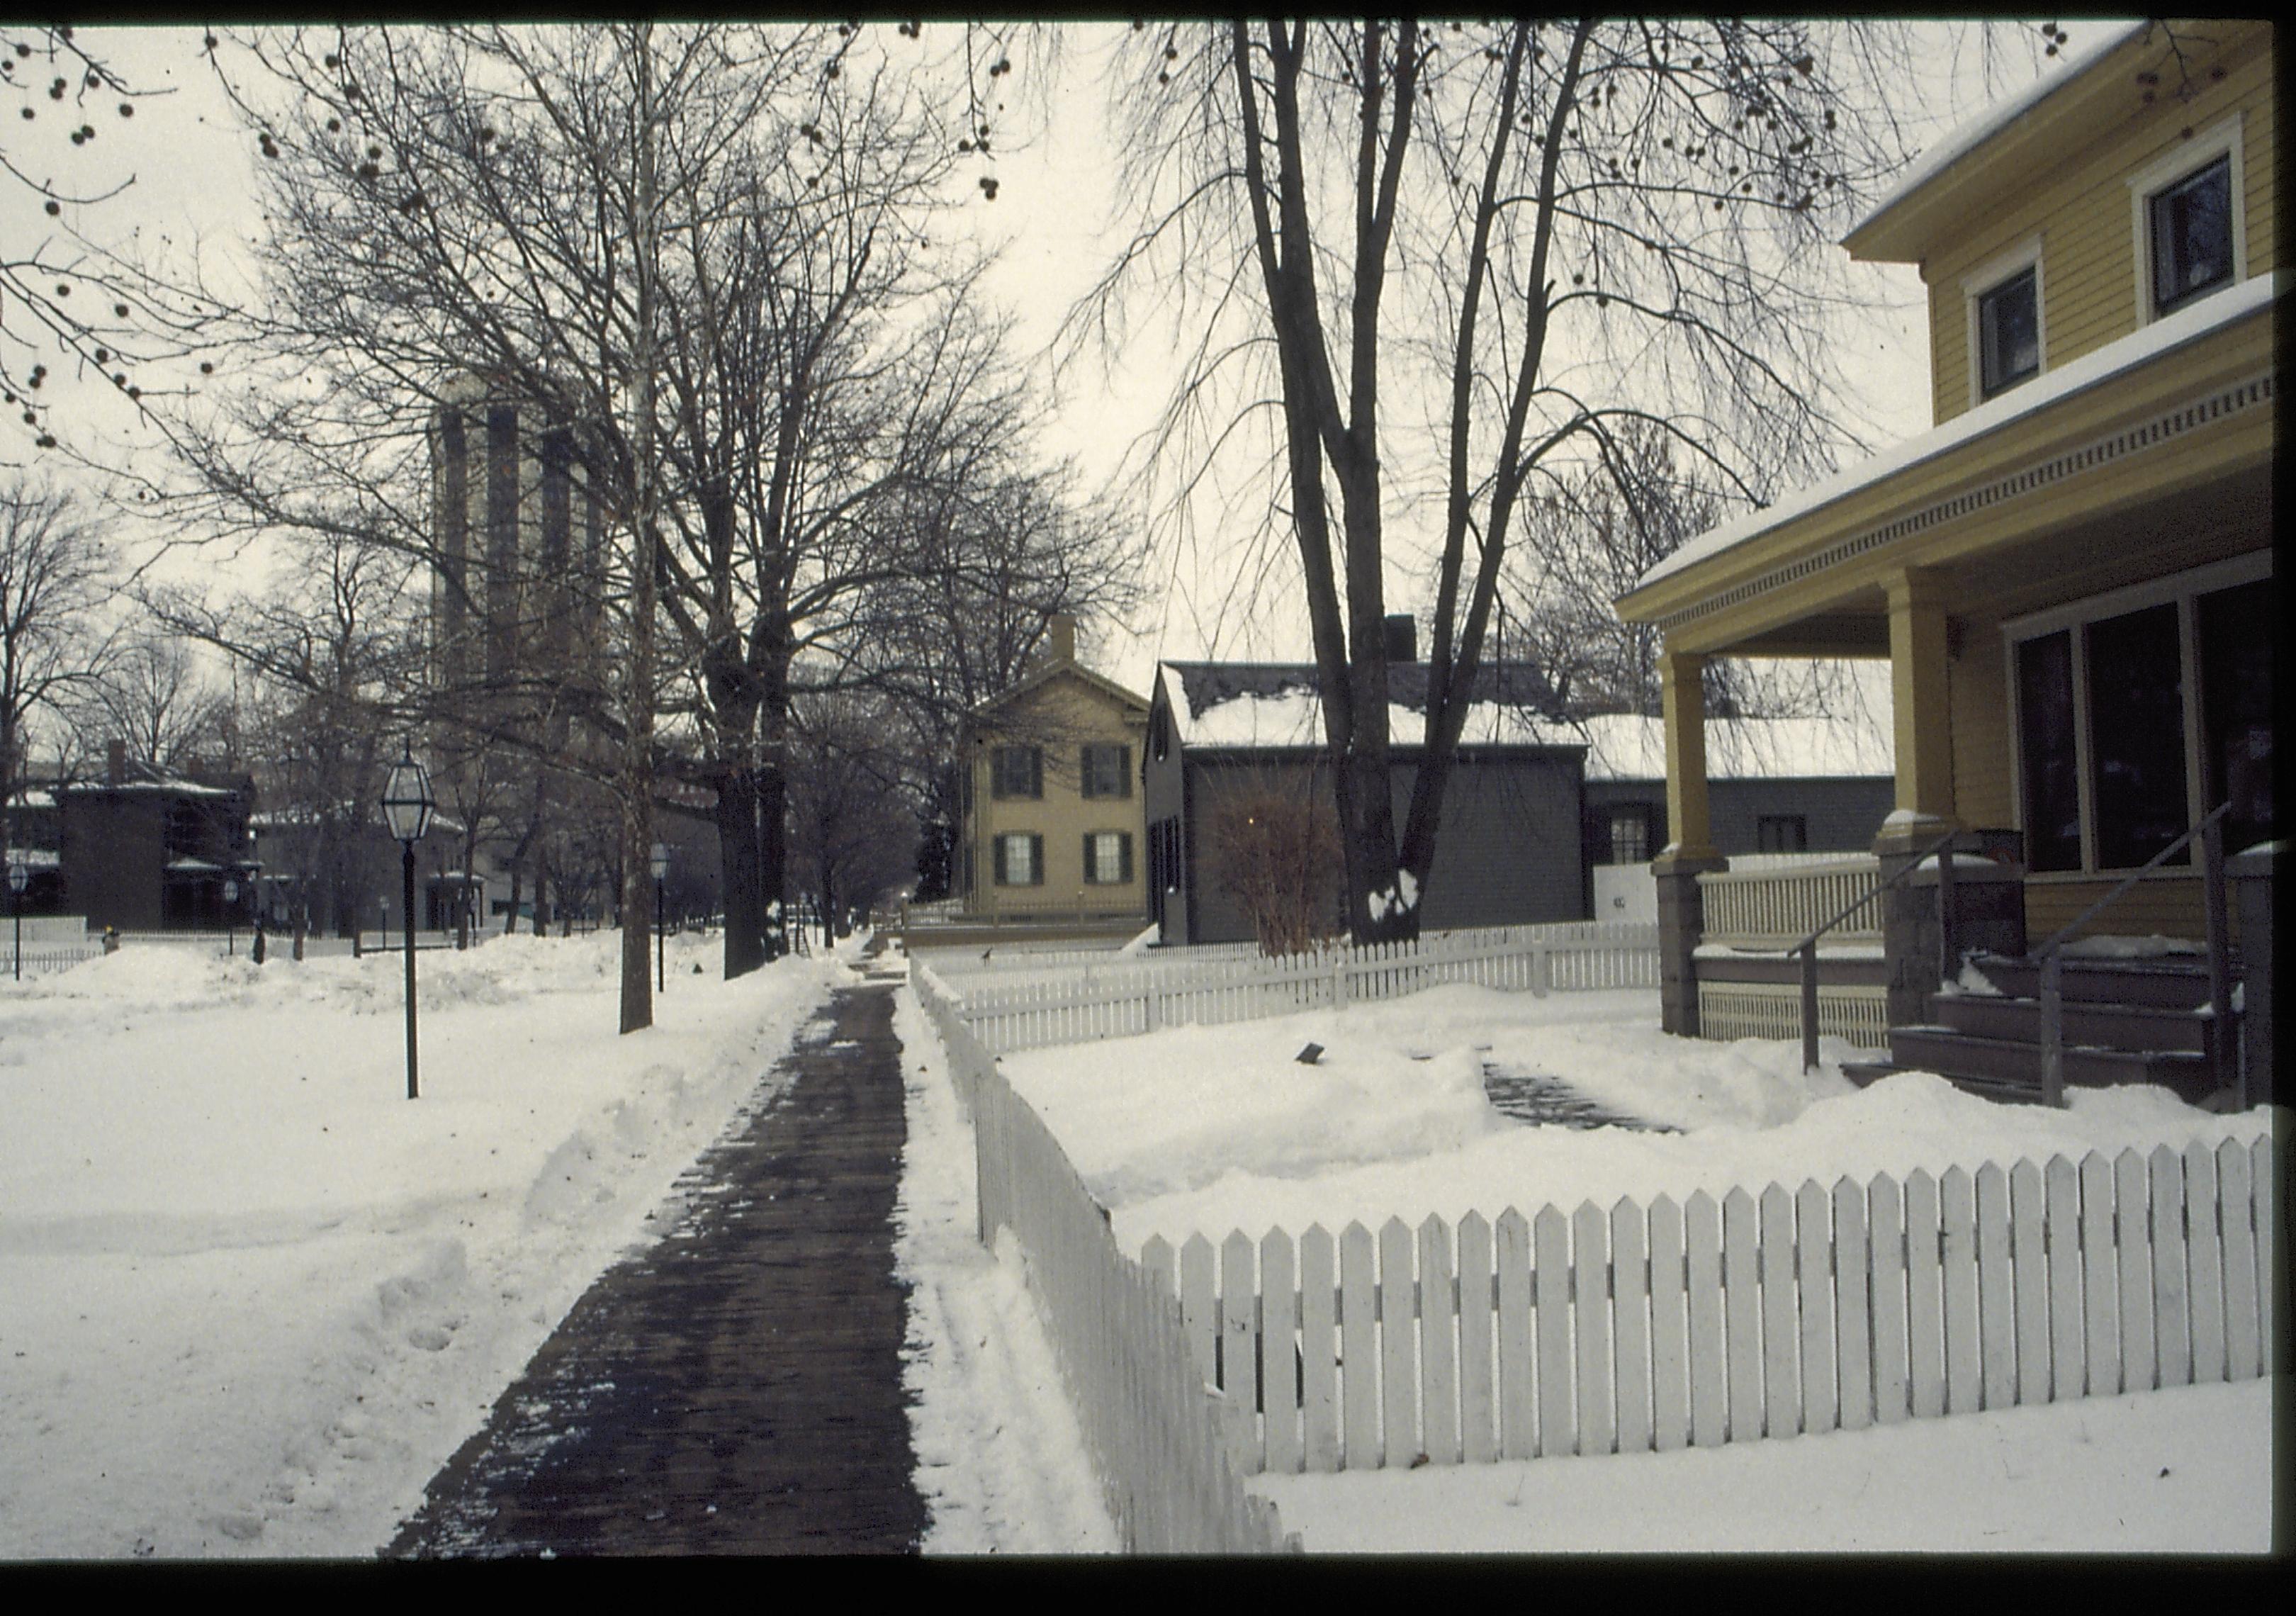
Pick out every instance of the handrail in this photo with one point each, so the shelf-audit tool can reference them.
(2050, 958)
(1808, 948)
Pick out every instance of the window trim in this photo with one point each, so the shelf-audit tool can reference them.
(2184, 590)
(1989, 277)
(2179, 163)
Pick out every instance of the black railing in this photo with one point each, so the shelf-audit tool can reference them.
(1942, 849)
(2050, 958)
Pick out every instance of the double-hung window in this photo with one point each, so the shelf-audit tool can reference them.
(1107, 858)
(2192, 237)
(1106, 771)
(1781, 833)
(1630, 835)
(1017, 771)
(2009, 333)
(2190, 222)
(2008, 321)
(1019, 859)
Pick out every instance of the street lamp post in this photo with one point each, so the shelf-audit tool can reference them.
(407, 805)
(660, 870)
(230, 916)
(20, 876)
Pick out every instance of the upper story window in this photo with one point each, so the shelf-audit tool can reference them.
(1017, 771)
(1106, 771)
(2190, 222)
(2008, 321)
(2009, 333)
(2192, 237)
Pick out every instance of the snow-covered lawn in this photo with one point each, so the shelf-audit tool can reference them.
(1213, 1128)
(252, 1296)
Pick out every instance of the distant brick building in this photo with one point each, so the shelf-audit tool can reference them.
(151, 850)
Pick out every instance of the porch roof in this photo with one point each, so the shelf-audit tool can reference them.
(2096, 391)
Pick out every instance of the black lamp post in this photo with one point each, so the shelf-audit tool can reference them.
(20, 876)
(230, 915)
(407, 805)
(660, 870)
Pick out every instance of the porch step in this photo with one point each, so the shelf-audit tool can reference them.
(2110, 1025)
(2011, 1093)
(1972, 1059)
(2170, 981)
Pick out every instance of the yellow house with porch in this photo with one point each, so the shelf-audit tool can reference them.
(2072, 576)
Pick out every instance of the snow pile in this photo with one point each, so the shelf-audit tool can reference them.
(1000, 1461)
(1205, 1129)
(255, 1295)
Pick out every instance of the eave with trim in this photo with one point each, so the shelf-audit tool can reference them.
(2099, 484)
(982, 715)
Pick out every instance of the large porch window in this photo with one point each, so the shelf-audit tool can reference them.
(2136, 712)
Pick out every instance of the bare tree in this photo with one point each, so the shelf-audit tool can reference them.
(55, 575)
(1274, 843)
(853, 832)
(155, 698)
(1443, 259)
(60, 292)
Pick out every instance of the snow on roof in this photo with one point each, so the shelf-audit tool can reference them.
(2114, 359)
(1626, 746)
(1619, 746)
(1275, 704)
(2000, 116)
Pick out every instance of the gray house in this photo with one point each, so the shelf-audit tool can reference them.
(1545, 819)
(1774, 785)
(1510, 851)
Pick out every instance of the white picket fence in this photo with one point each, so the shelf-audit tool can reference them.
(1122, 1000)
(1159, 1438)
(1753, 1317)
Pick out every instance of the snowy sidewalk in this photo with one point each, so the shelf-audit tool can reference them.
(736, 1388)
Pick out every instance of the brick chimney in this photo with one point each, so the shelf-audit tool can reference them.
(115, 762)
(1059, 638)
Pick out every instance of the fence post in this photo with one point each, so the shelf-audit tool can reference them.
(1149, 1002)
(1339, 978)
(1809, 1006)
(2223, 1050)
(2052, 1030)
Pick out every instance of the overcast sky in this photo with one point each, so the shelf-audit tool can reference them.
(1053, 223)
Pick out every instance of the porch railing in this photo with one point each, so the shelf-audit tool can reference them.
(1767, 905)
(1942, 850)
(2050, 958)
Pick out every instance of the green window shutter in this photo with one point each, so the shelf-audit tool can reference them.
(1036, 861)
(1124, 775)
(1124, 856)
(1091, 869)
(1036, 771)
(1090, 781)
(1000, 875)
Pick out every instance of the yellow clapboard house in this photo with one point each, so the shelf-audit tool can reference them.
(2071, 577)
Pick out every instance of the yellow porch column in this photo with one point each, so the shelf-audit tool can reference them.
(1682, 694)
(1922, 715)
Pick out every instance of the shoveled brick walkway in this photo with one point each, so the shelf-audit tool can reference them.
(737, 1389)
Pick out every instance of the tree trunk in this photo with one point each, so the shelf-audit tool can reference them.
(738, 863)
